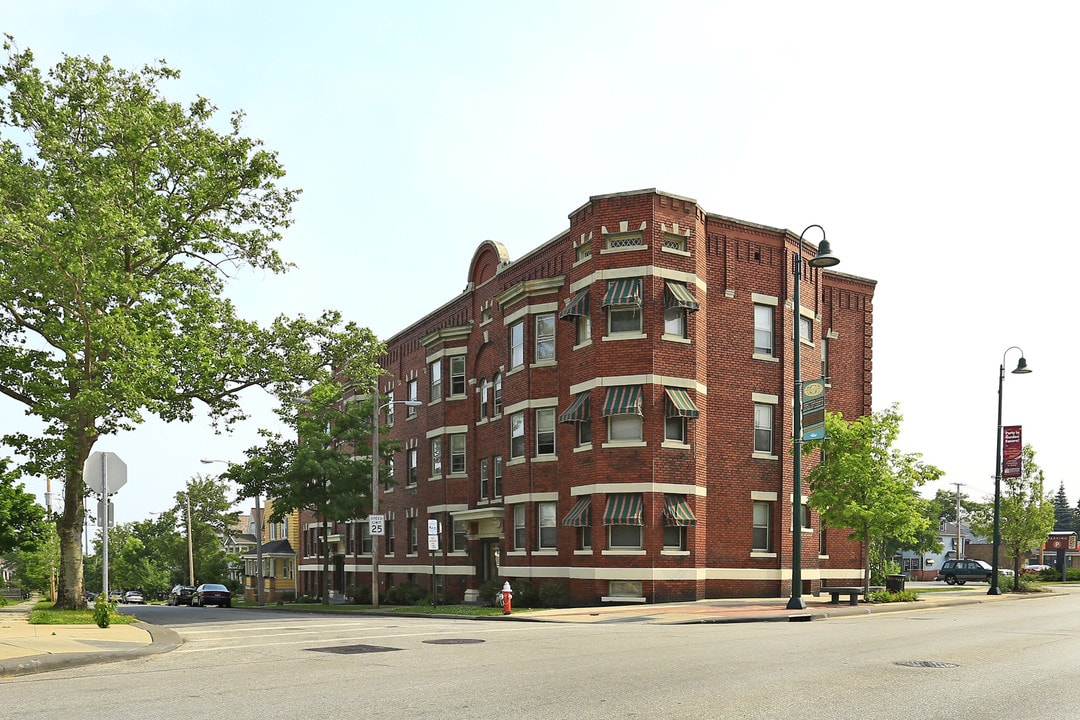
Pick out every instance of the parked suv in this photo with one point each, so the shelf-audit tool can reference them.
(958, 572)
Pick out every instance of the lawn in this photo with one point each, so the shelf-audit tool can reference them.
(45, 614)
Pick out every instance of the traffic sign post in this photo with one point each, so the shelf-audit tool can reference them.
(105, 473)
(433, 545)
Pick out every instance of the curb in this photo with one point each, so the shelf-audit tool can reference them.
(162, 640)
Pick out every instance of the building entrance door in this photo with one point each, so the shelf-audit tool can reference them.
(489, 560)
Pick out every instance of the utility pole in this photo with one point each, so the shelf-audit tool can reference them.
(958, 520)
(190, 552)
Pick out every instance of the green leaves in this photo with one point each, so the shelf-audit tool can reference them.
(23, 525)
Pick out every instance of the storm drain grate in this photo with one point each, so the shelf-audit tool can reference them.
(454, 641)
(353, 649)
(927, 664)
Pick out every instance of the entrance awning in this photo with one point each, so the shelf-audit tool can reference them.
(625, 291)
(677, 513)
(579, 515)
(578, 410)
(623, 400)
(578, 306)
(623, 509)
(678, 295)
(679, 403)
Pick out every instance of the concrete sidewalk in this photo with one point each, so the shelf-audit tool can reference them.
(26, 648)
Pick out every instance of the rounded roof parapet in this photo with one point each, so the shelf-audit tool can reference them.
(489, 257)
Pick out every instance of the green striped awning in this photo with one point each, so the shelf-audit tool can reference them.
(679, 403)
(677, 513)
(623, 400)
(626, 291)
(578, 410)
(579, 515)
(678, 296)
(623, 509)
(579, 306)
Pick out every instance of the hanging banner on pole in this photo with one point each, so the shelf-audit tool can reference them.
(1012, 452)
(813, 410)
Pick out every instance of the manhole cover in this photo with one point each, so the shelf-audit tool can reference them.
(927, 664)
(454, 641)
(353, 649)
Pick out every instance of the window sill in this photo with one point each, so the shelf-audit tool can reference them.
(766, 358)
(582, 261)
(624, 444)
(673, 251)
(584, 344)
(626, 552)
(675, 445)
(624, 336)
(457, 475)
(434, 402)
(515, 553)
(583, 448)
(762, 554)
(546, 458)
(544, 363)
(675, 553)
(632, 248)
(433, 478)
(546, 552)
(412, 555)
(764, 456)
(462, 396)
(515, 461)
(482, 421)
(583, 552)
(675, 339)
(515, 370)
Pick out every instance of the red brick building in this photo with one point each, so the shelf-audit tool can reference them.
(612, 412)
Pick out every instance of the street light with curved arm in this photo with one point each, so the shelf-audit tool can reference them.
(824, 258)
(1021, 369)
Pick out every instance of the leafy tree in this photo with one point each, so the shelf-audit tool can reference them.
(863, 483)
(1064, 515)
(34, 568)
(1027, 515)
(326, 468)
(943, 507)
(122, 216)
(211, 518)
(23, 525)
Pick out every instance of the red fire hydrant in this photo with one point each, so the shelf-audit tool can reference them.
(505, 597)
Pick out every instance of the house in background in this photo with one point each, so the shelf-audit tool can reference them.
(279, 540)
(925, 566)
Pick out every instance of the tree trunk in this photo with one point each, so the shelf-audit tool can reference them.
(69, 589)
(326, 562)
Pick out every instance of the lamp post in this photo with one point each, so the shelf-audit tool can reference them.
(1021, 369)
(824, 258)
(258, 540)
(376, 410)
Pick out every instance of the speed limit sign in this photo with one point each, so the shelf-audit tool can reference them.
(377, 523)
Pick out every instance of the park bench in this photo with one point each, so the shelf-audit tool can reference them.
(852, 593)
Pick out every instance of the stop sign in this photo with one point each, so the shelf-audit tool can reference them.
(104, 472)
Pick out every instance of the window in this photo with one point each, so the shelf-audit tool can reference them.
(519, 527)
(763, 329)
(410, 392)
(485, 316)
(624, 520)
(389, 534)
(545, 337)
(435, 372)
(825, 359)
(389, 472)
(678, 408)
(436, 457)
(496, 400)
(497, 472)
(365, 539)
(584, 329)
(674, 537)
(484, 399)
(675, 321)
(804, 515)
(457, 453)
(763, 428)
(622, 407)
(457, 375)
(624, 319)
(545, 431)
(484, 479)
(584, 538)
(547, 531)
(583, 251)
(517, 435)
(623, 303)
(624, 427)
(517, 345)
(584, 432)
(621, 537)
(674, 242)
(390, 413)
(350, 541)
(806, 329)
(631, 241)
(414, 536)
(762, 540)
(410, 458)
(460, 536)
(675, 429)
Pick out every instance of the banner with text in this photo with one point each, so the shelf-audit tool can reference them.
(1012, 461)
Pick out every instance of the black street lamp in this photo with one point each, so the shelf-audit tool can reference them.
(823, 259)
(1021, 369)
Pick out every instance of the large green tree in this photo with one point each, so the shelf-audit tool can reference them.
(122, 216)
(1027, 513)
(23, 525)
(1064, 514)
(324, 467)
(35, 567)
(863, 483)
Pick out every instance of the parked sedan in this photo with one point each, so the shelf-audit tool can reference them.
(211, 594)
(180, 595)
(135, 597)
(1034, 569)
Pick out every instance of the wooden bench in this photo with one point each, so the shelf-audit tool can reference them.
(852, 593)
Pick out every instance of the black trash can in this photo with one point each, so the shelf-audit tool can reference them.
(895, 583)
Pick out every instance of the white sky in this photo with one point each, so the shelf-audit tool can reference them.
(935, 142)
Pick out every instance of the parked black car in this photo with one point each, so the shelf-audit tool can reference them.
(211, 594)
(180, 595)
(958, 572)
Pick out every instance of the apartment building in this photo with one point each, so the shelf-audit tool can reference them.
(613, 412)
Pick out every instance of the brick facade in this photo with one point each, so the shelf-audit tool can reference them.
(658, 248)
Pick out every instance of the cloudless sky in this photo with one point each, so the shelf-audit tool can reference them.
(935, 142)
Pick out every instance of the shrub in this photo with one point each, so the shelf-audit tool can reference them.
(288, 596)
(526, 594)
(359, 594)
(552, 594)
(488, 591)
(406, 593)
(884, 596)
(104, 609)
